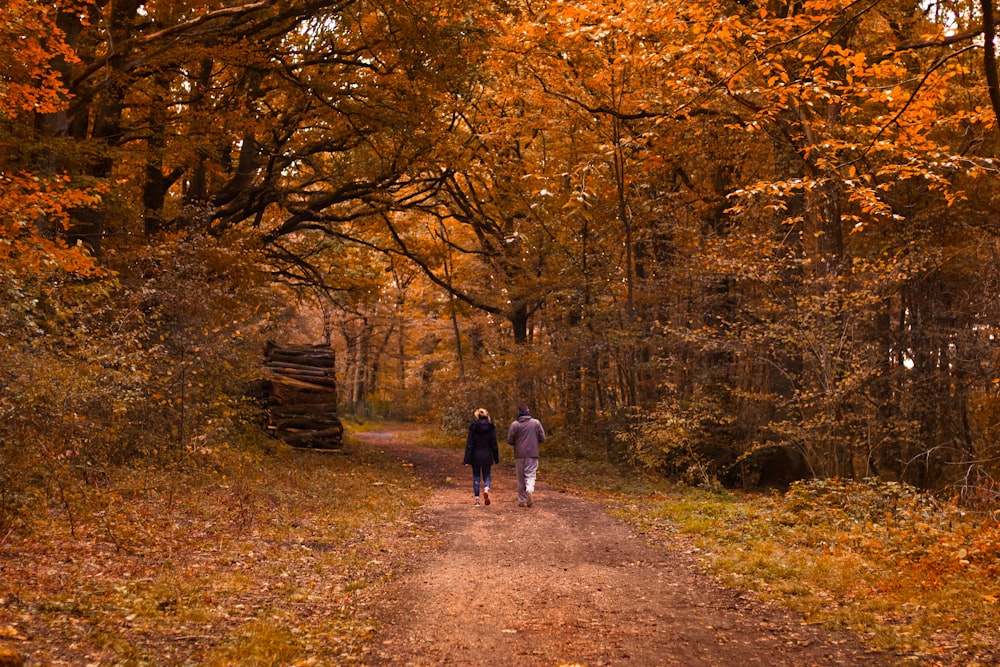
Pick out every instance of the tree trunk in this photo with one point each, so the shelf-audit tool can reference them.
(518, 317)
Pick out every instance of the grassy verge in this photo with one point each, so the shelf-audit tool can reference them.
(912, 576)
(248, 559)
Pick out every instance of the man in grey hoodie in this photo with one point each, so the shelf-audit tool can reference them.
(525, 433)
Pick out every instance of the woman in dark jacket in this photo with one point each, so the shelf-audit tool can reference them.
(481, 452)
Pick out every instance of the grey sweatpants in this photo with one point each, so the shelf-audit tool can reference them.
(526, 470)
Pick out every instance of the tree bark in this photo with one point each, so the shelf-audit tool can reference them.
(989, 57)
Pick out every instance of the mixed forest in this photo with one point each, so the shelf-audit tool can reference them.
(684, 232)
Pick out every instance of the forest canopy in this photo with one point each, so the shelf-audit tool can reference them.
(684, 232)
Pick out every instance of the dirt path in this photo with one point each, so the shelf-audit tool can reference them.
(562, 583)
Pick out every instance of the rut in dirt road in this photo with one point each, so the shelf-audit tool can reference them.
(564, 583)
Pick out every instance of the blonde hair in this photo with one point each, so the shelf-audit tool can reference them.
(481, 413)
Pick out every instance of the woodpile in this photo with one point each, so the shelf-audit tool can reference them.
(302, 395)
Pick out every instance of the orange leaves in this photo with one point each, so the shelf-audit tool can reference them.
(34, 208)
(897, 525)
(29, 205)
(30, 45)
(582, 51)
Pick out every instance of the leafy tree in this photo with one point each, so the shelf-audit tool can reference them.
(694, 230)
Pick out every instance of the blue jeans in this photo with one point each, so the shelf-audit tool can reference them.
(476, 471)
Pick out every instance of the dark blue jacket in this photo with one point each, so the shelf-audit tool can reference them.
(481, 446)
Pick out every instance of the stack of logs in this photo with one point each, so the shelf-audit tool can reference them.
(302, 396)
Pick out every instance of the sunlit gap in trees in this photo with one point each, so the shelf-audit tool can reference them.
(318, 28)
(944, 14)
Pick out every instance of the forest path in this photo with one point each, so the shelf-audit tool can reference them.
(562, 583)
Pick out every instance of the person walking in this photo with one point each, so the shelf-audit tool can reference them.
(481, 452)
(525, 433)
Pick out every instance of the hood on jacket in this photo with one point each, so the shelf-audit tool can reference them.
(482, 425)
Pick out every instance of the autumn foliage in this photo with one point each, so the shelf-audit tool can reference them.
(739, 225)
(686, 233)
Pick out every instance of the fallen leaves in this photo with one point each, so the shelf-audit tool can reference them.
(203, 584)
(10, 632)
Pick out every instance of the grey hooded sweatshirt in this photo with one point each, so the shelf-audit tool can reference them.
(525, 434)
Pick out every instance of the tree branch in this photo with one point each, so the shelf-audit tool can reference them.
(204, 18)
(429, 272)
(913, 95)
